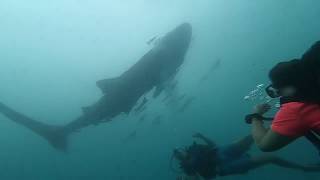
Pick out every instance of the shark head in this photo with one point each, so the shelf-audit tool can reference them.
(178, 39)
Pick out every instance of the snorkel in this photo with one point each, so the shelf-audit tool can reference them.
(272, 92)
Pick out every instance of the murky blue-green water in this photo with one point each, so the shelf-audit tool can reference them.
(53, 52)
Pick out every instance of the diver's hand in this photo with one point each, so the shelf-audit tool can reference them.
(312, 168)
(208, 141)
(198, 135)
(261, 109)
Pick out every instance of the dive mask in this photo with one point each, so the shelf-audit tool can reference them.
(272, 91)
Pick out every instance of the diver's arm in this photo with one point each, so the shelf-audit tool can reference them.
(266, 139)
(205, 139)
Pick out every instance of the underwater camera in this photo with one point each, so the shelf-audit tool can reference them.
(260, 94)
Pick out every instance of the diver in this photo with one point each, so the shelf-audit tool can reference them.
(207, 161)
(297, 84)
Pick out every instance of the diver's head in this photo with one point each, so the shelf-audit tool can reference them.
(197, 160)
(180, 155)
(287, 79)
(185, 161)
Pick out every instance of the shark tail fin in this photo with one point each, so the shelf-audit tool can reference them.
(57, 137)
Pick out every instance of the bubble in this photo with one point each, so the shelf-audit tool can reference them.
(255, 94)
(259, 86)
(246, 98)
(258, 94)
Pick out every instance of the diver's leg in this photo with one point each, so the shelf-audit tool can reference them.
(245, 143)
(264, 160)
(240, 147)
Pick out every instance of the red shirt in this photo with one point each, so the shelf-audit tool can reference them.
(296, 119)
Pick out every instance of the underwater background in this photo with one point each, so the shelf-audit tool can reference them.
(53, 52)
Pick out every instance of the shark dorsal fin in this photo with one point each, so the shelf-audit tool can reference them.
(106, 85)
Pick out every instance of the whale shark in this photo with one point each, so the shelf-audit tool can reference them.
(119, 94)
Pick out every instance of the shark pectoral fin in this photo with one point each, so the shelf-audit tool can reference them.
(166, 80)
(106, 85)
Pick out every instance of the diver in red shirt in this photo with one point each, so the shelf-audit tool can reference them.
(297, 84)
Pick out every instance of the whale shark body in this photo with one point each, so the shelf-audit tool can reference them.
(120, 94)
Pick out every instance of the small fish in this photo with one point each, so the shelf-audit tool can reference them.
(157, 120)
(152, 40)
(186, 104)
(141, 106)
(213, 67)
(142, 119)
(130, 137)
(170, 91)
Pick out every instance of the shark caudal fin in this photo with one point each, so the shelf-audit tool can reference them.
(56, 135)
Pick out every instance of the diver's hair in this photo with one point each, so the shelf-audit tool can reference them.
(293, 73)
(285, 73)
(208, 164)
